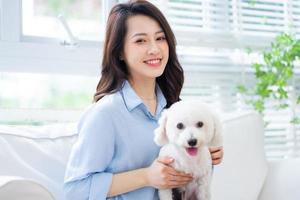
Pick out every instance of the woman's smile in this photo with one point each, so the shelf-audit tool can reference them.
(154, 62)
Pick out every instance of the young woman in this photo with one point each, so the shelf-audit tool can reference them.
(115, 156)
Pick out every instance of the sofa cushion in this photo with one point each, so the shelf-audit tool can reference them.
(283, 180)
(242, 173)
(16, 188)
(37, 153)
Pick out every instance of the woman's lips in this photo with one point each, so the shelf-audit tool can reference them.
(153, 62)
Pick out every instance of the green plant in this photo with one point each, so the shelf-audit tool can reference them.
(275, 76)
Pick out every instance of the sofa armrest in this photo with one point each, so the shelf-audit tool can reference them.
(242, 173)
(283, 180)
(37, 153)
(12, 187)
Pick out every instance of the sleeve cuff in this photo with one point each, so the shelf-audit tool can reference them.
(100, 185)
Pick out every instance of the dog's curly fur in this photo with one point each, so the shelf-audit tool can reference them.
(185, 132)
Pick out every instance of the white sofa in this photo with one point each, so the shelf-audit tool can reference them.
(33, 160)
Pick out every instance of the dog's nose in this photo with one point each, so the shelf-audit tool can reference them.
(192, 142)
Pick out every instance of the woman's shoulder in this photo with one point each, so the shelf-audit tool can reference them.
(100, 112)
(105, 106)
(109, 102)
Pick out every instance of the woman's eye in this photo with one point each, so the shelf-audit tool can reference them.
(199, 124)
(180, 126)
(161, 38)
(140, 41)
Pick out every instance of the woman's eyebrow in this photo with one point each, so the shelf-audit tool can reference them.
(138, 34)
(160, 31)
(144, 34)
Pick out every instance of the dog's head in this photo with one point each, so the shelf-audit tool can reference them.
(189, 124)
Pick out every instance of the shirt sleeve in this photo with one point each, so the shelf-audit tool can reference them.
(86, 174)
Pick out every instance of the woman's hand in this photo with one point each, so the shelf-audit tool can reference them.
(161, 176)
(216, 154)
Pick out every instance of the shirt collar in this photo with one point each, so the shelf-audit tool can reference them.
(132, 100)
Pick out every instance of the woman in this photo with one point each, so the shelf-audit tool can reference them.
(115, 156)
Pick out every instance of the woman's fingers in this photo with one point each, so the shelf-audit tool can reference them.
(216, 154)
(161, 175)
(165, 160)
(170, 170)
(172, 177)
(215, 149)
(178, 179)
(173, 172)
(178, 182)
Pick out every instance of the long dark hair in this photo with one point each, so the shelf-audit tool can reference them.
(114, 70)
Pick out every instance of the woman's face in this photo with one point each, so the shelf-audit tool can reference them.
(146, 51)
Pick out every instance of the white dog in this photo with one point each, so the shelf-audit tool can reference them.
(185, 131)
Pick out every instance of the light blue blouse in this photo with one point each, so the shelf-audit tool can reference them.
(115, 135)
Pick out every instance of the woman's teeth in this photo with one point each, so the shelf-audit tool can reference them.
(153, 61)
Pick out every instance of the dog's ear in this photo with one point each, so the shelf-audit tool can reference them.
(216, 139)
(160, 137)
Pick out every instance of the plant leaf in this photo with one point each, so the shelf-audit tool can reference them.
(259, 105)
(295, 120)
(242, 89)
(298, 100)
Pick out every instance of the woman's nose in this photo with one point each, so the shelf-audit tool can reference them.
(153, 48)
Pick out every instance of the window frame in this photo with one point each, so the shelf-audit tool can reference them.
(24, 53)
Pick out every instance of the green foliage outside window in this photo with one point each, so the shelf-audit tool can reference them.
(275, 76)
(77, 9)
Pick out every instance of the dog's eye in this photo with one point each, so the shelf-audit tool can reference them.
(180, 125)
(199, 124)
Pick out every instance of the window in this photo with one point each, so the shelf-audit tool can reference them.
(214, 76)
(46, 18)
(32, 98)
(27, 45)
(213, 39)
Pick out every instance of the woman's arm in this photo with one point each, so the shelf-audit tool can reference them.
(127, 181)
(158, 175)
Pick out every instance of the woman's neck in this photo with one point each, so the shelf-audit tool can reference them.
(145, 89)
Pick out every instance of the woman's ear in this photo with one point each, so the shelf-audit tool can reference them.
(160, 137)
(216, 139)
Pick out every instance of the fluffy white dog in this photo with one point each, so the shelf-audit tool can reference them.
(185, 131)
